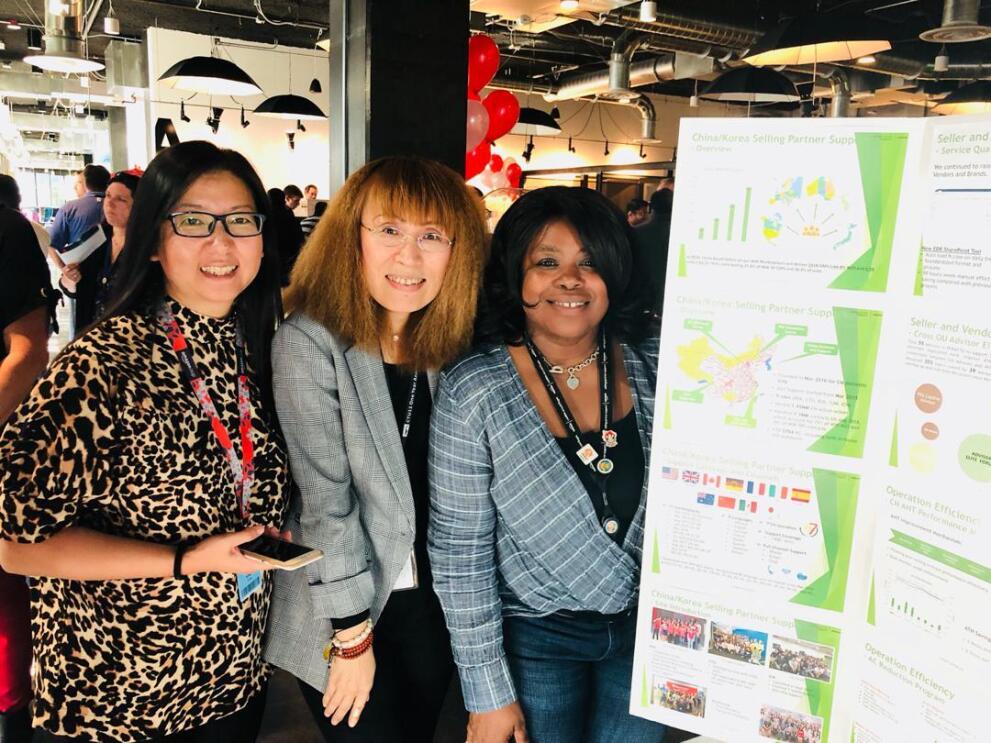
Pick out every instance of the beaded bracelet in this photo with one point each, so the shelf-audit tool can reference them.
(336, 646)
(332, 652)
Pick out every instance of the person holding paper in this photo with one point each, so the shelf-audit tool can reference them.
(89, 282)
(538, 475)
(142, 459)
(382, 296)
(79, 215)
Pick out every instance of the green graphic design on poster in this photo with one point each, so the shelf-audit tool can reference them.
(817, 550)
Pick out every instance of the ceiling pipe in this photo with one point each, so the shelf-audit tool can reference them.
(63, 31)
(684, 27)
(623, 49)
(91, 14)
(839, 107)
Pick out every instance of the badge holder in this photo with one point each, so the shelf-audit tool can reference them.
(247, 584)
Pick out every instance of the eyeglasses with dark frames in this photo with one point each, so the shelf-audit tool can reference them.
(202, 224)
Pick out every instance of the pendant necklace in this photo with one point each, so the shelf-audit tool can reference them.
(586, 453)
(573, 381)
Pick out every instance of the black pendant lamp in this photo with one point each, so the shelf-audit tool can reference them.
(751, 85)
(534, 121)
(211, 75)
(974, 98)
(817, 38)
(289, 107)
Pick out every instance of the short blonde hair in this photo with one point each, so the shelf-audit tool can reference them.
(327, 282)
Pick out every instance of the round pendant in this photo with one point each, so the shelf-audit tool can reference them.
(605, 466)
(610, 524)
(573, 383)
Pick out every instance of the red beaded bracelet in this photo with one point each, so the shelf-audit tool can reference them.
(350, 653)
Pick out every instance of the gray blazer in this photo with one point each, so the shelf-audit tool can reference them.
(353, 498)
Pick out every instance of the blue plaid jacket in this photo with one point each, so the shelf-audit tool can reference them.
(512, 529)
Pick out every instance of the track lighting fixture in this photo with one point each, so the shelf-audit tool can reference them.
(299, 126)
(606, 150)
(214, 121)
(182, 112)
(571, 147)
(291, 136)
(528, 150)
(244, 122)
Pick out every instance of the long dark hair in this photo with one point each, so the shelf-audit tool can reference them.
(139, 284)
(606, 237)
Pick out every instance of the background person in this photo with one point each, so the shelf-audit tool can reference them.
(538, 474)
(91, 281)
(636, 212)
(289, 233)
(310, 192)
(78, 215)
(383, 295)
(24, 322)
(114, 474)
(293, 196)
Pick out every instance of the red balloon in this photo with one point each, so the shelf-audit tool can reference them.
(473, 96)
(504, 111)
(477, 159)
(495, 164)
(514, 172)
(483, 61)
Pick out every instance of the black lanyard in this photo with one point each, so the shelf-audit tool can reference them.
(408, 420)
(586, 452)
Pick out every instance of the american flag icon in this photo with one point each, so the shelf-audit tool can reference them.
(669, 473)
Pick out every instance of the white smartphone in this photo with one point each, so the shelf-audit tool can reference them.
(279, 553)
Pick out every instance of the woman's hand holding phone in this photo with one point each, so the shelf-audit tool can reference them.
(220, 552)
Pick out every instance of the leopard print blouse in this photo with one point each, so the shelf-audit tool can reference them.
(112, 439)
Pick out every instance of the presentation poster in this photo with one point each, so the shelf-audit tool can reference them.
(816, 555)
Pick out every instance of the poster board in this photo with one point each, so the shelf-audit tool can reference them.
(818, 530)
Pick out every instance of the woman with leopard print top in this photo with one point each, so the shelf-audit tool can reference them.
(116, 493)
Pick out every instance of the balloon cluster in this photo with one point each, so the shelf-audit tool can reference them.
(488, 119)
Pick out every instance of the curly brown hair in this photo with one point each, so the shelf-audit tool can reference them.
(327, 283)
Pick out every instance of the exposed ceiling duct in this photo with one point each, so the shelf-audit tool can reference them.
(960, 24)
(839, 107)
(685, 27)
(64, 46)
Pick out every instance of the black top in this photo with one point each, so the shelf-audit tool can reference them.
(24, 284)
(93, 289)
(626, 480)
(415, 451)
(650, 256)
(399, 382)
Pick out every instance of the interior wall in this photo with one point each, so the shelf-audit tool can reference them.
(277, 71)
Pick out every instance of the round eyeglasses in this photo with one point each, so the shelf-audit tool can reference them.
(202, 224)
(392, 237)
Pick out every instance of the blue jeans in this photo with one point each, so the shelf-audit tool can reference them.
(572, 675)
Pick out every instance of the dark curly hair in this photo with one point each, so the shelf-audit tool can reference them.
(606, 237)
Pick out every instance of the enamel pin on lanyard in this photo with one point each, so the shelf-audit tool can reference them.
(586, 452)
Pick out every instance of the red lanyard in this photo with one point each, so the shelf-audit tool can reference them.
(243, 470)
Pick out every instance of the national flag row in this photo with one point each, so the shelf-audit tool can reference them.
(735, 485)
(727, 501)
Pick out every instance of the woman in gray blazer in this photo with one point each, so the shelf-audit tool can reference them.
(381, 297)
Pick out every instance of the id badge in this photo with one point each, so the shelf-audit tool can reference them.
(408, 578)
(247, 584)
